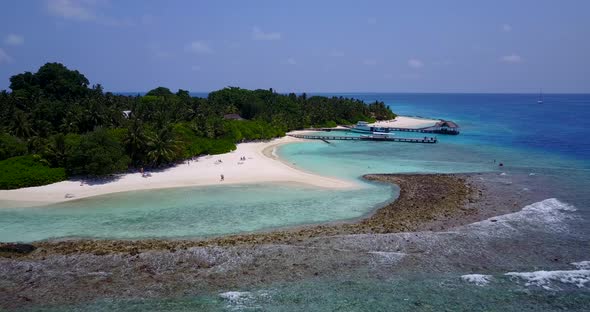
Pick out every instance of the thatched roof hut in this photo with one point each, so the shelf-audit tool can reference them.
(446, 124)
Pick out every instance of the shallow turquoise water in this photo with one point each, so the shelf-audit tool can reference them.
(190, 212)
(495, 128)
(549, 140)
(451, 155)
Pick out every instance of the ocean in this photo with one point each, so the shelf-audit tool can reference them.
(537, 260)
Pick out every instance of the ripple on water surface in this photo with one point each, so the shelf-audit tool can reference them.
(190, 212)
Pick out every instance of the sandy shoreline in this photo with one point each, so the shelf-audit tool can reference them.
(406, 122)
(262, 165)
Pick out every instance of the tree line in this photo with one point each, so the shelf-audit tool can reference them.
(54, 121)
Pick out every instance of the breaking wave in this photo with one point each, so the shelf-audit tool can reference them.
(239, 300)
(477, 279)
(549, 280)
(548, 215)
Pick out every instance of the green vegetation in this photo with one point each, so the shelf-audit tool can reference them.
(30, 170)
(11, 146)
(82, 130)
(96, 153)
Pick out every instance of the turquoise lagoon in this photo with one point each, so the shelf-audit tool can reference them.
(549, 141)
(190, 212)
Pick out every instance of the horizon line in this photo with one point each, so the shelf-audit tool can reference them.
(384, 92)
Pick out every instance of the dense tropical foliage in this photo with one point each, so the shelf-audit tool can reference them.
(30, 170)
(57, 116)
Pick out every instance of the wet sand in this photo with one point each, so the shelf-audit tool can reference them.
(61, 272)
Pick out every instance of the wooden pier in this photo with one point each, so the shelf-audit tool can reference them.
(354, 138)
(392, 129)
(441, 127)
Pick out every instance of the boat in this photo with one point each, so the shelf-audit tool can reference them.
(364, 127)
(540, 100)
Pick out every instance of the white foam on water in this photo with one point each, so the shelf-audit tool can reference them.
(503, 173)
(239, 300)
(548, 205)
(582, 265)
(477, 279)
(548, 215)
(546, 279)
(234, 296)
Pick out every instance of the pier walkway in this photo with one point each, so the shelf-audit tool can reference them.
(391, 129)
(352, 138)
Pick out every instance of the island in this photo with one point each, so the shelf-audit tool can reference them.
(63, 140)
(55, 126)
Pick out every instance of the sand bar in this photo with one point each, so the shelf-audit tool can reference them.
(261, 165)
(406, 122)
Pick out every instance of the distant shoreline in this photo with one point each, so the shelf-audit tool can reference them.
(346, 93)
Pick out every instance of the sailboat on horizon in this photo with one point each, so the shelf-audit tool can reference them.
(540, 100)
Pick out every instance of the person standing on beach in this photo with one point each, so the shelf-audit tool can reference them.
(222, 177)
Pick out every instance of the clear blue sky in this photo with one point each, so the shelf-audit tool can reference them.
(314, 46)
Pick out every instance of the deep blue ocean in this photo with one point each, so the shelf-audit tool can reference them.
(515, 264)
(558, 125)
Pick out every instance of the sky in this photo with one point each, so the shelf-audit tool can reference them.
(305, 46)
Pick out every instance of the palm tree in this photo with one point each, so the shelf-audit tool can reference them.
(69, 123)
(21, 127)
(93, 118)
(163, 147)
(56, 150)
(136, 141)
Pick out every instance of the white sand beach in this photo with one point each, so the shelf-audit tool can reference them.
(407, 122)
(261, 166)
